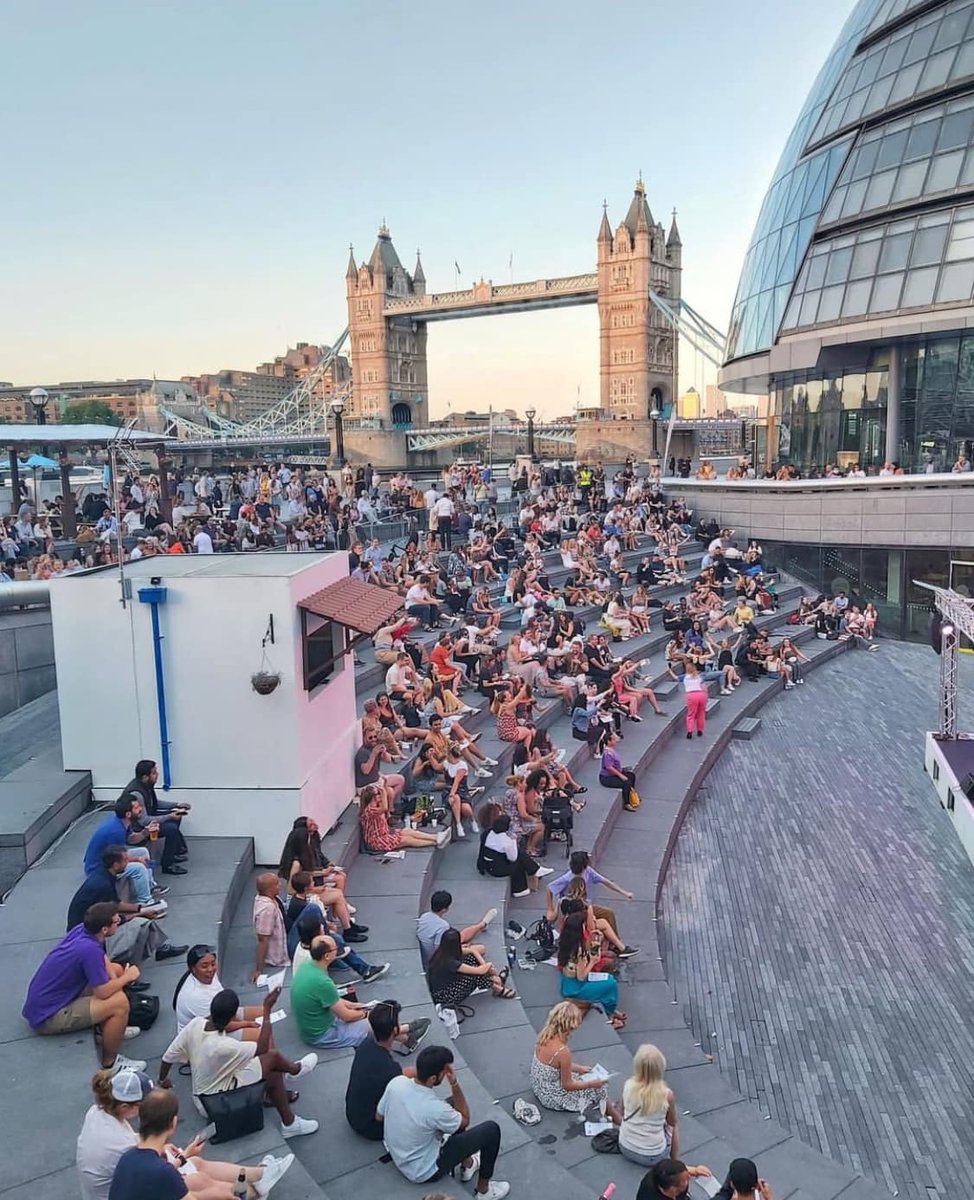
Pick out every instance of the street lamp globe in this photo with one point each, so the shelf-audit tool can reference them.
(39, 397)
(338, 407)
(530, 413)
(655, 414)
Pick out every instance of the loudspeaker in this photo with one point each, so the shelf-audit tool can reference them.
(935, 630)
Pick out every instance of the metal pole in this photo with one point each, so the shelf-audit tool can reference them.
(154, 596)
(948, 680)
(339, 441)
(69, 523)
(117, 513)
(14, 481)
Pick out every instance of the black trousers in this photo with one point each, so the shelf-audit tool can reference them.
(625, 786)
(485, 1138)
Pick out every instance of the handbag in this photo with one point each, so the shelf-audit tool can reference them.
(606, 1142)
(237, 1112)
(634, 800)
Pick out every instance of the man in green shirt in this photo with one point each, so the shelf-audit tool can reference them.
(323, 1018)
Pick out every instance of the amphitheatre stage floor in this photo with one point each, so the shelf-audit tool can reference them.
(818, 924)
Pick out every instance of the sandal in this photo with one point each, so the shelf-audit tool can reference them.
(506, 994)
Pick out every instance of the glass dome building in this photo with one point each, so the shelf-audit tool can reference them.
(855, 306)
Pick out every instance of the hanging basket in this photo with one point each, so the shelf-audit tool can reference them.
(265, 682)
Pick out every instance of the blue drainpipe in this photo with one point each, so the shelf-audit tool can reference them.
(154, 596)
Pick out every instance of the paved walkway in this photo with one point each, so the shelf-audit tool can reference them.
(819, 926)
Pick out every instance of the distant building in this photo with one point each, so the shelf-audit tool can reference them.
(689, 406)
(129, 399)
(244, 395)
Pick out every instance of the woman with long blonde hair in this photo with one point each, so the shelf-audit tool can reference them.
(555, 1079)
(648, 1130)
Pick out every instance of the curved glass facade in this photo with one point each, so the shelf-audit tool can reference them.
(862, 262)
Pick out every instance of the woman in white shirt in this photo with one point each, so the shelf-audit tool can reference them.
(195, 991)
(648, 1130)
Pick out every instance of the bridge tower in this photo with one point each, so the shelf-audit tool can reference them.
(388, 353)
(638, 349)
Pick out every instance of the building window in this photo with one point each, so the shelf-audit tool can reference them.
(322, 650)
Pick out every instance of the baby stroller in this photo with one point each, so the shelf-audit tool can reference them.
(558, 820)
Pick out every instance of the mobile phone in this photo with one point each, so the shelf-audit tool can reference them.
(207, 1133)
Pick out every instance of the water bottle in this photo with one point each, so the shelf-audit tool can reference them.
(511, 955)
(240, 1188)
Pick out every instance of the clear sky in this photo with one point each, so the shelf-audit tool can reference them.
(183, 178)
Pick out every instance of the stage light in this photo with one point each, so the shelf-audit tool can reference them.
(946, 630)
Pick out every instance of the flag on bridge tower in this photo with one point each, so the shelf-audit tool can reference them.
(457, 265)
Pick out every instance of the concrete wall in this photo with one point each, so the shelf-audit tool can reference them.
(26, 657)
(910, 510)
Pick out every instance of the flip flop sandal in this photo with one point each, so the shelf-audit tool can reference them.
(506, 994)
(502, 975)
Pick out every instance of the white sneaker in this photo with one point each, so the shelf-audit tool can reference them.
(131, 1031)
(497, 1189)
(305, 1066)
(491, 762)
(543, 871)
(467, 1173)
(474, 828)
(489, 915)
(725, 691)
(274, 1170)
(518, 895)
(789, 686)
(122, 1063)
(461, 832)
(483, 773)
(443, 838)
(351, 909)
(299, 1127)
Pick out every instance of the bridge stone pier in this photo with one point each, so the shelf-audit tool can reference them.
(389, 311)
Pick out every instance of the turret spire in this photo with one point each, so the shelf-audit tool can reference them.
(418, 275)
(352, 271)
(674, 236)
(605, 229)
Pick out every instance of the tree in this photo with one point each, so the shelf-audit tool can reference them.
(90, 412)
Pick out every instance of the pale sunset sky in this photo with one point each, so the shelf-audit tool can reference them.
(183, 178)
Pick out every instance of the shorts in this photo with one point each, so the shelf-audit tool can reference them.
(74, 1016)
(253, 1072)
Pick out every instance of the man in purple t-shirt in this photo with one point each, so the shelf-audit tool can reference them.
(76, 987)
(580, 867)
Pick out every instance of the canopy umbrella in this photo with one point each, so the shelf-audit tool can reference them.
(38, 462)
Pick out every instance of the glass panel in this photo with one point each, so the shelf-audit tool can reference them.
(956, 130)
(833, 210)
(809, 305)
(895, 252)
(906, 83)
(893, 150)
(956, 282)
(831, 303)
(857, 298)
(937, 70)
(922, 139)
(864, 260)
(928, 246)
(866, 159)
(920, 44)
(886, 293)
(943, 172)
(964, 64)
(854, 197)
(816, 271)
(967, 174)
(951, 30)
(919, 287)
(909, 182)
(838, 268)
(880, 190)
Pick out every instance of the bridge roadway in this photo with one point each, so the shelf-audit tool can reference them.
(843, 1007)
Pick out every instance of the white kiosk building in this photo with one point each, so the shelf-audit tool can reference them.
(172, 673)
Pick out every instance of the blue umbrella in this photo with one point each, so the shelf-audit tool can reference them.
(37, 462)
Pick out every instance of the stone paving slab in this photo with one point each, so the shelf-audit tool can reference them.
(836, 967)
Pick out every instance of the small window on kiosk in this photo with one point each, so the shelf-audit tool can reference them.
(322, 650)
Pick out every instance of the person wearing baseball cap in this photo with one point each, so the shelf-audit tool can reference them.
(106, 1133)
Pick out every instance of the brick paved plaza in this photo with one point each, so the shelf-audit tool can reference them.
(819, 925)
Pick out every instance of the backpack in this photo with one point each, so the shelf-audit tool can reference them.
(542, 933)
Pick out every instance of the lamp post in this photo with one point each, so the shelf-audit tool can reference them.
(654, 416)
(531, 413)
(39, 400)
(337, 408)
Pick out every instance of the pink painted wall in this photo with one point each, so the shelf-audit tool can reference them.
(327, 726)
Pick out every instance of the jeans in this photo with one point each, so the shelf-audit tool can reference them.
(343, 1033)
(138, 874)
(485, 1138)
(427, 613)
(623, 785)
